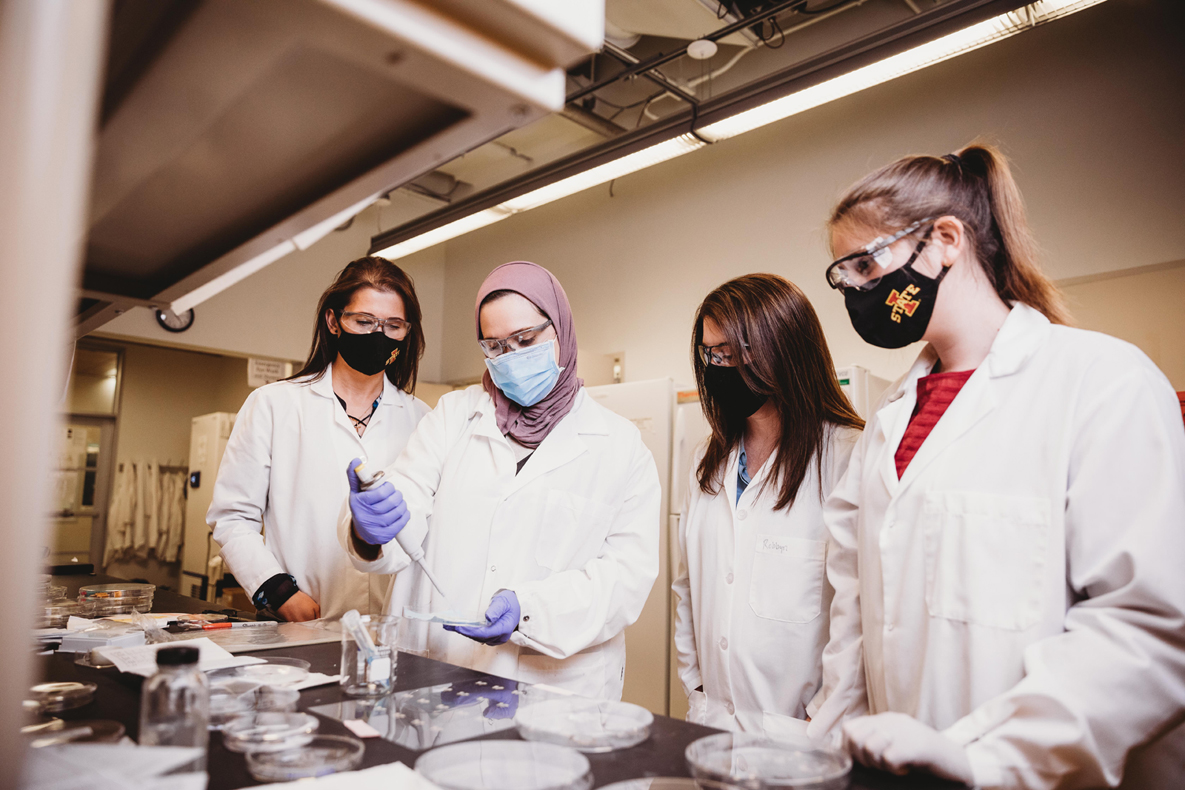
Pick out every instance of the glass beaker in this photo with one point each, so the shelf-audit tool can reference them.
(371, 676)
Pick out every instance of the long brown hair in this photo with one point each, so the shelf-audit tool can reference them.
(382, 275)
(787, 359)
(974, 185)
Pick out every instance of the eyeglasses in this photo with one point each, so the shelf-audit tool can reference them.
(365, 323)
(721, 354)
(496, 348)
(864, 268)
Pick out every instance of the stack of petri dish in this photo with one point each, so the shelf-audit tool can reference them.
(56, 607)
(105, 600)
(269, 732)
(748, 762)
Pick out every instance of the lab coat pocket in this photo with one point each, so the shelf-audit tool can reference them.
(786, 582)
(778, 727)
(697, 708)
(985, 557)
(572, 530)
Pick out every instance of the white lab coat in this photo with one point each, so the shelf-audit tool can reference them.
(751, 619)
(285, 466)
(1020, 587)
(574, 535)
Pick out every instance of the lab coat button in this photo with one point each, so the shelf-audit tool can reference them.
(493, 568)
(723, 643)
(731, 708)
(728, 579)
(890, 626)
(741, 514)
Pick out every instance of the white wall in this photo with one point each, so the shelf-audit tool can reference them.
(1090, 108)
(271, 313)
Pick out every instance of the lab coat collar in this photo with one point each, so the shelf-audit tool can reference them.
(560, 446)
(584, 417)
(392, 395)
(1019, 337)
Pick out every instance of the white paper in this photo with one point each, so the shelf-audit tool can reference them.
(381, 777)
(316, 679)
(103, 766)
(141, 660)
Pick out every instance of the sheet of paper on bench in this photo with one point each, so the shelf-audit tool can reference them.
(141, 659)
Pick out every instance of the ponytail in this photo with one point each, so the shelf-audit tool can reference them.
(974, 185)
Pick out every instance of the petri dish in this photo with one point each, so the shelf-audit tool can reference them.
(506, 765)
(269, 732)
(229, 699)
(660, 783)
(587, 725)
(276, 672)
(324, 754)
(57, 613)
(116, 591)
(54, 697)
(276, 698)
(96, 731)
(749, 762)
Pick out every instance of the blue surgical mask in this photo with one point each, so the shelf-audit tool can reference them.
(527, 375)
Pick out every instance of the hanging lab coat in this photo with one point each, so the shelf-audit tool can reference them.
(751, 618)
(574, 535)
(1021, 587)
(285, 466)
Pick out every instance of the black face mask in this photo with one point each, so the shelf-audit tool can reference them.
(896, 311)
(727, 388)
(369, 354)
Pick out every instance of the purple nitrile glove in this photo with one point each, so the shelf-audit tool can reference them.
(502, 614)
(379, 513)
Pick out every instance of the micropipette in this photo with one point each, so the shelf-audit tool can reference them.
(368, 480)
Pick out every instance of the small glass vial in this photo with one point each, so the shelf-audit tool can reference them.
(175, 704)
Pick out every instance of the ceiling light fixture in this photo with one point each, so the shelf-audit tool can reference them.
(933, 52)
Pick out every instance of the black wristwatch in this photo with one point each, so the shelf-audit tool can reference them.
(274, 593)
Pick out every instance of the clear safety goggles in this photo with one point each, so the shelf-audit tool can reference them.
(365, 323)
(497, 347)
(863, 269)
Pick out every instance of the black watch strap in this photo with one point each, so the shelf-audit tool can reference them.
(275, 592)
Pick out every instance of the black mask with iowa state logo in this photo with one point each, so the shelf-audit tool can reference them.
(896, 311)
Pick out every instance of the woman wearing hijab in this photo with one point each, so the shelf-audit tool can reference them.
(533, 504)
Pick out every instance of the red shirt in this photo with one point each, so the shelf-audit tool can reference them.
(935, 393)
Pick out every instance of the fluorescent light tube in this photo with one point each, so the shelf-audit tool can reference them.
(966, 40)
(224, 281)
(435, 236)
(949, 46)
(601, 174)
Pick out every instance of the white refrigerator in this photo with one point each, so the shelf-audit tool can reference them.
(207, 442)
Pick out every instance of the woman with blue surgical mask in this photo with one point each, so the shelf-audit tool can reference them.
(537, 509)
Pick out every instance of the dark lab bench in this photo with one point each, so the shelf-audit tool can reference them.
(118, 698)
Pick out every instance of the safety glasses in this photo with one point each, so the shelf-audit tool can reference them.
(497, 347)
(863, 269)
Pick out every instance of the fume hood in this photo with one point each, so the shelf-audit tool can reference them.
(235, 131)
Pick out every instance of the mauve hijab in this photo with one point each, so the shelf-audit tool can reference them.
(530, 425)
